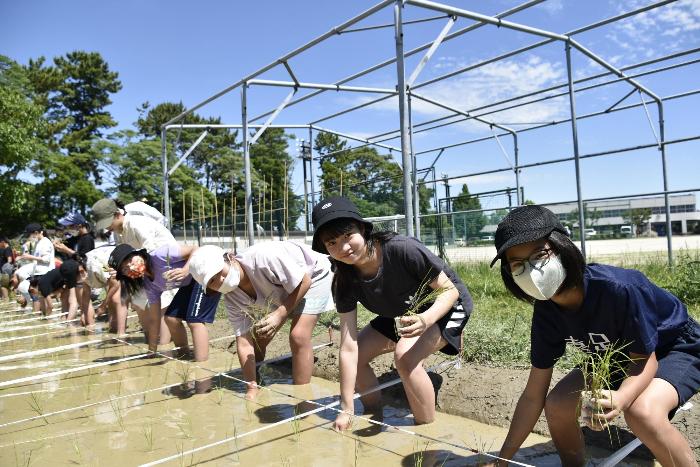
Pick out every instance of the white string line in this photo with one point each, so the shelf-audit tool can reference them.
(503, 150)
(651, 125)
(39, 326)
(65, 388)
(9, 339)
(16, 310)
(34, 353)
(275, 424)
(81, 407)
(28, 320)
(10, 314)
(26, 379)
(86, 367)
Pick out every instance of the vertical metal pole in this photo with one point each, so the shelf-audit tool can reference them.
(166, 189)
(662, 147)
(306, 193)
(311, 167)
(574, 135)
(516, 152)
(405, 139)
(416, 196)
(246, 166)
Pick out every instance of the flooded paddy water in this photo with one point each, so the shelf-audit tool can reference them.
(74, 397)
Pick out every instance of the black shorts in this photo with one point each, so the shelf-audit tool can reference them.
(192, 305)
(451, 326)
(680, 366)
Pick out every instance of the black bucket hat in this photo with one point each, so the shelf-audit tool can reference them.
(120, 253)
(33, 227)
(335, 207)
(525, 224)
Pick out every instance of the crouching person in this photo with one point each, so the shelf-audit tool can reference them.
(167, 268)
(263, 287)
(60, 283)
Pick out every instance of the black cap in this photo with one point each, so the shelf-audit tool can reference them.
(525, 224)
(120, 253)
(33, 227)
(335, 207)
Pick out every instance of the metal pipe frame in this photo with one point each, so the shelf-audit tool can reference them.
(551, 96)
(401, 87)
(188, 152)
(406, 90)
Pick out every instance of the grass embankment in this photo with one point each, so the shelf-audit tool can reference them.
(498, 332)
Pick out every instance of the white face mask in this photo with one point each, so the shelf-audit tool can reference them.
(231, 281)
(541, 283)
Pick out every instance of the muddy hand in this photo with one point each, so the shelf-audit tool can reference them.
(610, 405)
(342, 422)
(413, 326)
(269, 325)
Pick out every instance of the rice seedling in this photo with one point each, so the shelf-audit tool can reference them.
(180, 451)
(419, 454)
(26, 459)
(600, 370)
(36, 403)
(90, 382)
(218, 394)
(78, 452)
(296, 424)
(416, 302)
(117, 413)
(186, 427)
(285, 462)
(167, 373)
(147, 432)
(184, 371)
(235, 440)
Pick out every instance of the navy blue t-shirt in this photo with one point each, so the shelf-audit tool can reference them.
(406, 264)
(620, 307)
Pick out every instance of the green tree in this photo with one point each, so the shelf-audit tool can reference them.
(638, 217)
(21, 123)
(467, 224)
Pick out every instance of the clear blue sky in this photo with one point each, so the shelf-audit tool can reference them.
(183, 50)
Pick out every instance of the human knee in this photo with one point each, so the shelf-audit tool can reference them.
(559, 405)
(642, 415)
(404, 361)
(299, 338)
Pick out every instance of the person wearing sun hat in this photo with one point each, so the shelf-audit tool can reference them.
(422, 306)
(167, 268)
(286, 279)
(140, 229)
(81, 240)
(596, 308)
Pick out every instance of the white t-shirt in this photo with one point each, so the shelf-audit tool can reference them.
(143, 232)
(97, 267)
(45, 250)
(140, 208)
(275, 269)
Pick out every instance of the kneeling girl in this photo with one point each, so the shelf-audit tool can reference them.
(388, 273)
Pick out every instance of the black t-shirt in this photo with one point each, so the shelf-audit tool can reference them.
(406, 264)
(620, 307)
(64, 276)
(5, 256)
(83, 245)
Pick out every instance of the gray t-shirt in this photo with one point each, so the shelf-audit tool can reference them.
(406, 264)
(275, 269)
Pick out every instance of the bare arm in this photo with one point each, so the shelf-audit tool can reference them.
(153, 325)
(527, 411)
(72, 303)
(348, 368)
(179, 274)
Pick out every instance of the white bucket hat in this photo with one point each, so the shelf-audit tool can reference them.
(206, 262)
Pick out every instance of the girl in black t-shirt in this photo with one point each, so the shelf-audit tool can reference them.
(596, 308)
(388, 273)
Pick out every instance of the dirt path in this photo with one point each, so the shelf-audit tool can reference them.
(482, 393)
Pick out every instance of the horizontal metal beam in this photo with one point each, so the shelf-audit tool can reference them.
(231, 126)
(355, 138)
(329, 87)
(414, 51)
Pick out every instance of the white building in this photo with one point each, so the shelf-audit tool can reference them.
(685, 217)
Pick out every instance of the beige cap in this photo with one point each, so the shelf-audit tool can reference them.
(206, 262)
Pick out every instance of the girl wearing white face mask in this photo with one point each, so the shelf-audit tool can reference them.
(593, 307)
(287, 279)
(167, 268)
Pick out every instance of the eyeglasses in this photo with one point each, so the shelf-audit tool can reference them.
(537, 260)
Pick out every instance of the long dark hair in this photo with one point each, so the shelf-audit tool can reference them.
(344, 274)
(129, 285)
(571, 258)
